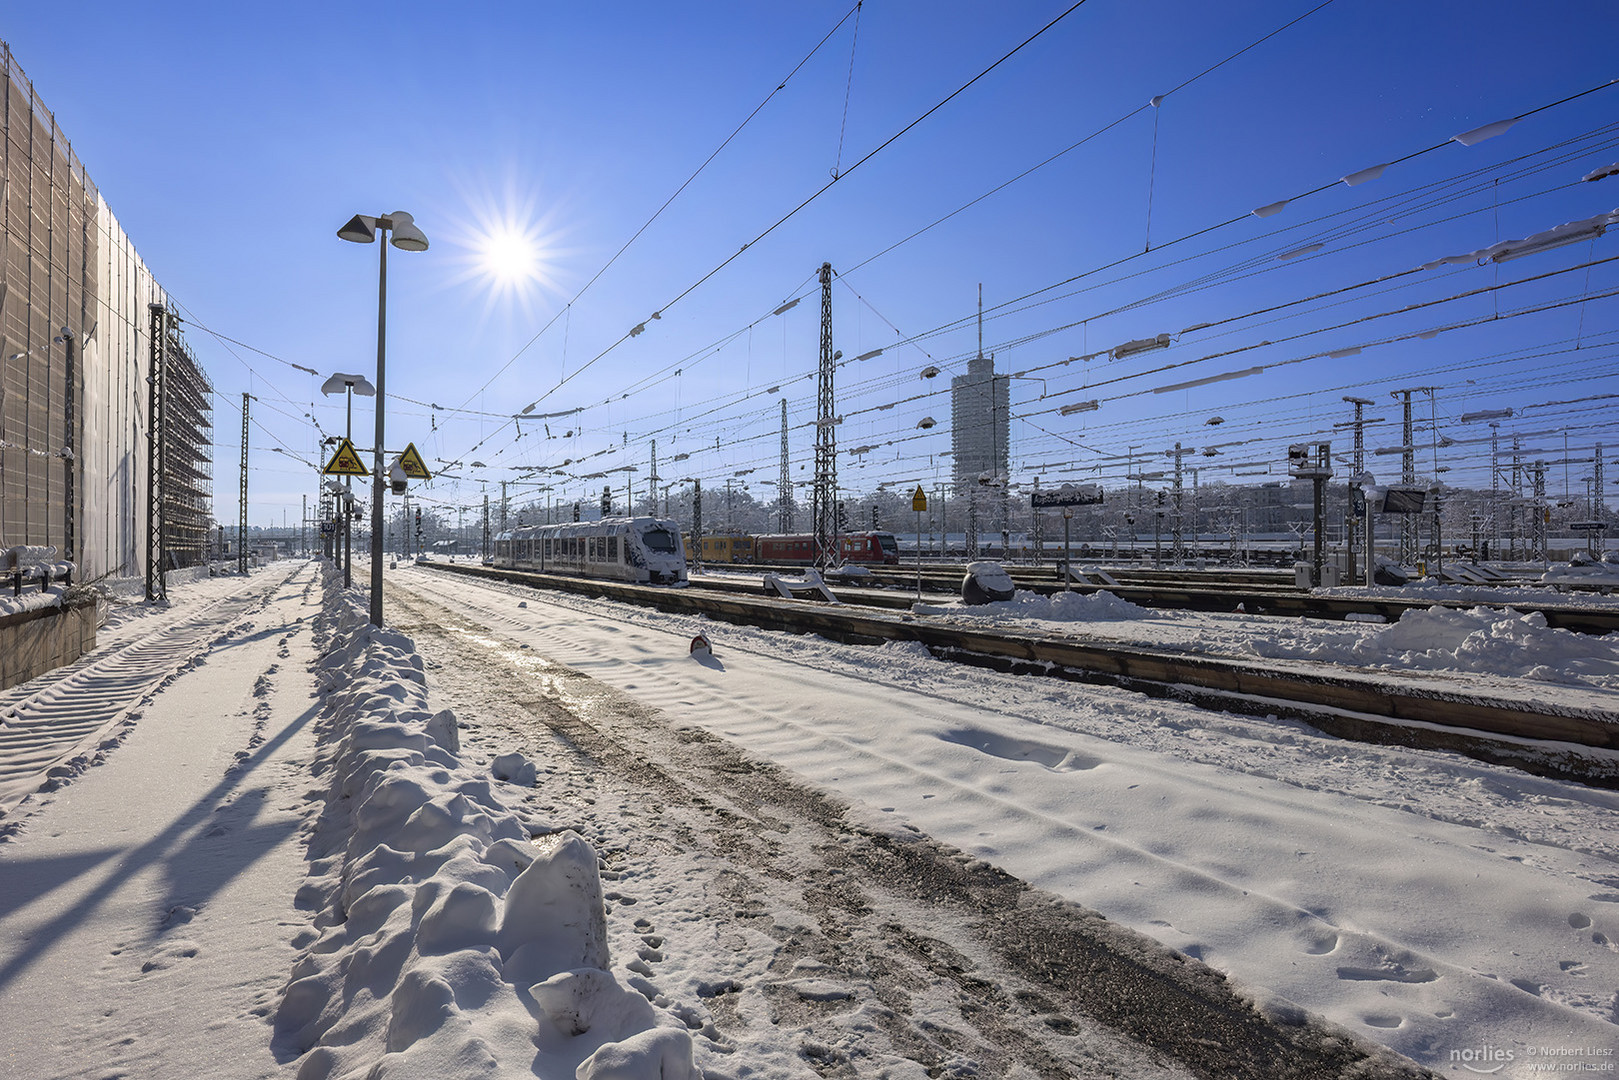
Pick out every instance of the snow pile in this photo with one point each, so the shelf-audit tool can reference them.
(1583, 570)
(1070, 607)
(38, 557)
(1500, 596)
(445, 942)
(32, 599)
(1481, 640)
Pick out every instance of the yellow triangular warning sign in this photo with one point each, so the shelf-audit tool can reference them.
(345, 462)
(412, 463)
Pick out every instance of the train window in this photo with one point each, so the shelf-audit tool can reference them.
(889, 544)
(612, 549)
(659, 540)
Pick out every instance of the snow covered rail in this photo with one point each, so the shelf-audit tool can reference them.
(1355, 703)
(1253, 597)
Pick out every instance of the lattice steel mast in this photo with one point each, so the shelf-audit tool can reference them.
(1360, 524)
(241, 501)
(784, 489)
(1177, 545)
(1537, 524)
(158, 330)
(826, 438)
(1408, 475)
(652, 480)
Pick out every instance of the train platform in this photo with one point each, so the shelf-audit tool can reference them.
(154, 796)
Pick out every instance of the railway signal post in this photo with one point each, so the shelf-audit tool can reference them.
(919, 503)
(1067, 554)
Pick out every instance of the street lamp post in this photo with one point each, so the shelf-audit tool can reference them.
(348, 386)
(407, 237)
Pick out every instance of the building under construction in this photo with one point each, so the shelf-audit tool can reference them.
(76, 415)
(185, 490)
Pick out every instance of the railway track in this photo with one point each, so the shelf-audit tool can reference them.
(1435, 712)
(1245, 592)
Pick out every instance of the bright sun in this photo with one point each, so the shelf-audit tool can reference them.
(508, 246)
(509, 256)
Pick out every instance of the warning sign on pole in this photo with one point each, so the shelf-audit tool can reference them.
(345, 462)
(412, 463)
(919, 499)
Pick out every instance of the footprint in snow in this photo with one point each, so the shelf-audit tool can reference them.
(171, 953)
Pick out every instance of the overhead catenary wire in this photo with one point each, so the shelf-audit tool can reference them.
(616, 412)
(790, 214)
(1401, 159)
(669, 201)
(847, 90)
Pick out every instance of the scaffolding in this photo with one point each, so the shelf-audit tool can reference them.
(188, 456)
(75, 358)
(47, 298)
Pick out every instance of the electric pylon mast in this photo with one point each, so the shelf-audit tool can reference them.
(826, 438)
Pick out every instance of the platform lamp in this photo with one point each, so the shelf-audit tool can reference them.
(348, 386)
(407, 237)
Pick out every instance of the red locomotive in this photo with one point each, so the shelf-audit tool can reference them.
(798, 549)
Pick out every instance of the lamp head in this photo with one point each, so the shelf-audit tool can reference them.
(341, 383)
(406, 236)
(359, 230)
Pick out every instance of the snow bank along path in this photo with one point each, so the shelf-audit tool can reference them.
(444, 943)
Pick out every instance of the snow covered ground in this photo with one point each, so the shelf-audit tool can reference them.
(1485, 640)
(1432, 903)
(279, 855)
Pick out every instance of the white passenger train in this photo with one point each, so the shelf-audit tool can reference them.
(644, 549)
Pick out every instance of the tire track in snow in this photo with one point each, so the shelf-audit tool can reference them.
(54, 727)
(953, 963)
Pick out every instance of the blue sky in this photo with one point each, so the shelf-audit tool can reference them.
(232, 144)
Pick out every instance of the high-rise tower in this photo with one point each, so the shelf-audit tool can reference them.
(980, 425)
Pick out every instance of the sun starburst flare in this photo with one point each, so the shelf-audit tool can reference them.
(508, 251)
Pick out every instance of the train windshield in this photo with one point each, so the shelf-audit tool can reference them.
(890, 545)
(659, 540)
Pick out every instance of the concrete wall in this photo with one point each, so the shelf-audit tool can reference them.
(34, 642)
